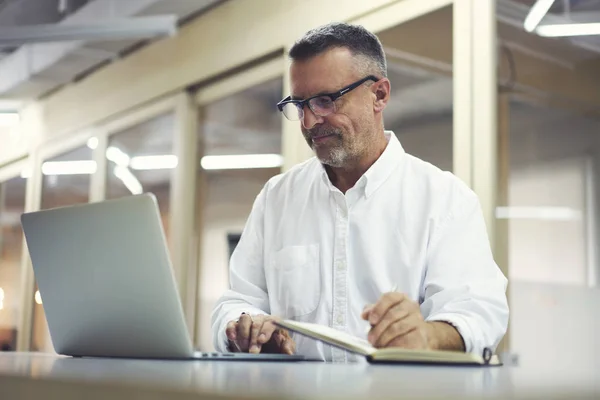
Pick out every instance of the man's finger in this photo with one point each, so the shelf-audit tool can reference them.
(243, 332)
(386, 301)
(266, 332)
(397, 330)
(288, 346)
(230, 330)
(284, 342)
(393, 314)
(255, 330)
(365, 313)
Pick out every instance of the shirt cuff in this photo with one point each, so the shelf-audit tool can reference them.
(463, 328)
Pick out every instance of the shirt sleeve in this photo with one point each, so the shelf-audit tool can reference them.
(247, 292)
(463, 285)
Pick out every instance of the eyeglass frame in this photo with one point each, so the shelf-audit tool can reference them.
(300, 104)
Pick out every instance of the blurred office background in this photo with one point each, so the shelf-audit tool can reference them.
(183, 106)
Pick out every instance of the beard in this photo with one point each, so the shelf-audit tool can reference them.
(332, 153)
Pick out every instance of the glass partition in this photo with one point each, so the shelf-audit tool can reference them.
(140, 159)
(419, 55)
(550, 111)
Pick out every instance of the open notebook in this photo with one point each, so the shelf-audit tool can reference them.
(353, 344)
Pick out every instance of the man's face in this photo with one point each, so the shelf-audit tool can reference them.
(340, 138)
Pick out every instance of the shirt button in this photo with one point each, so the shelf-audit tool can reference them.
(344, 212)
(341, 265)
(340, 319)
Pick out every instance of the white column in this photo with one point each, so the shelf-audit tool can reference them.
(98, 180)
(503, 195)
(485, 110)
(32, 203)
(592, 204)
(500, 245)
(201, 332)
(463, 83)
(475, 102)
(481, 133)
(182, 208)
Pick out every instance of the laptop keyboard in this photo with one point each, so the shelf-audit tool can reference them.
(200, 354)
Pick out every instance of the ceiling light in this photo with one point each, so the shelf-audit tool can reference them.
(568, 30)
(128, 179)
(117, 29)
(83, 167)
(92, 143)
(244, 161)
(536, 14)
(9, 119)
(154, 162)
(117, 156)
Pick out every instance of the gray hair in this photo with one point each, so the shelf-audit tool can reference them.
(362, 44)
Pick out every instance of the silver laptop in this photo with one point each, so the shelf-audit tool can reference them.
(104, 274)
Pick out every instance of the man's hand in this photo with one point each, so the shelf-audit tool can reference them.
(258, 333)
(396, 321)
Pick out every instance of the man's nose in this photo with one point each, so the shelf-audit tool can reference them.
(309, 119)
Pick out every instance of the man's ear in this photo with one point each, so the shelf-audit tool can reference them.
(381, 89)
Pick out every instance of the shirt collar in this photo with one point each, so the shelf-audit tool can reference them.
(381, 169)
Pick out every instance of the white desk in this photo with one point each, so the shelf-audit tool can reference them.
(27, 375)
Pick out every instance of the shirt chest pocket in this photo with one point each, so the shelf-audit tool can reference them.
(294, 281)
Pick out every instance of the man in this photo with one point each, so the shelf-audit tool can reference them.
(364, 237)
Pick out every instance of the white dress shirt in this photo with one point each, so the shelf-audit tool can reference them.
(310, 253)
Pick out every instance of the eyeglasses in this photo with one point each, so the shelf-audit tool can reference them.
(321, 104)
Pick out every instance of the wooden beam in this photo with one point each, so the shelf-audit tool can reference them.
(501, 245)
(183, 204)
